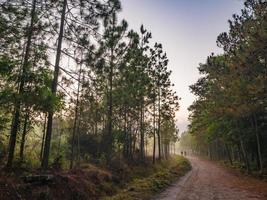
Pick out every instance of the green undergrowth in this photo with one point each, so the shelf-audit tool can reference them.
(153, 179)
(120, 181)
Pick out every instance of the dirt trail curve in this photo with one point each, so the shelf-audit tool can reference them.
(209, 181)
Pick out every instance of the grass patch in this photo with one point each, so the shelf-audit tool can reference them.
(153, 179)
(127, 181)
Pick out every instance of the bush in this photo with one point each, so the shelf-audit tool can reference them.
(159, 176)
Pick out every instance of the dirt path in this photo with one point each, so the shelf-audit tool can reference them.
(209, 181)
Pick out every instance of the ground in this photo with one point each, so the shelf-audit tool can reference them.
(121, 180)
(210, 181)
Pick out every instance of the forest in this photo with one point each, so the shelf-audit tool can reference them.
(228, 120)
(89, 108)
(77, 86)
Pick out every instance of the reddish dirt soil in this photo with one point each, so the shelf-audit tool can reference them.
(210, 181)
(81, 184)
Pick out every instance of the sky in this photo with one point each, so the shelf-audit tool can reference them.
(187, 30)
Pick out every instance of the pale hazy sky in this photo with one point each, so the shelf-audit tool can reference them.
(187, 30)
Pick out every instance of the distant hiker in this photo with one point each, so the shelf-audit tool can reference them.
(182, 152)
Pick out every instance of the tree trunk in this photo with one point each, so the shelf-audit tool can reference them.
(43, 138)
(228, 154)
(240, 155)
(159, 121)
(75, 120)
(134, 145)
(154, 132)
(258, 143)
(23, 137)
(125, 144)
(142, 139)
(59, 142)
(130, 150)
(245, 156)
(16, 117)
(78, 139)
(108, 140)
(45, 159)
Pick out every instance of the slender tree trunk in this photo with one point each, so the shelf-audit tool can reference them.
(258, 143)
(23, 137)
(243, 150)
(108, 143)
(170, 149)
(130, 150)
(142, 139)
(78, 139)
(16, 117)
(134, 145)
(79, 125)
(45, 159)
(43, 138)
(146, 147)
(59, 142)
(159, 121)
(75, 120)
(232, 153)
(240, 155)
(228, 154)
(245, 155)
(109, 137)
(125, 144)
(154, 132)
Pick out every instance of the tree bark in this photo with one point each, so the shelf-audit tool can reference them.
(125, 144)
(43, 139)
(45, 159)
(159, 121)
(108, 140)
(75, 120)
(245, 155)
(258, 143)
(142, 139)
(23, 137)
(154, 132)
(228, 154)
(16, 117)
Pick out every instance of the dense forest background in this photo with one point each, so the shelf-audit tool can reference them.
(77, 86)
(88, 109)
(229, 117)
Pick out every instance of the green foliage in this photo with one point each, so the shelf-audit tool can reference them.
(231, 105)
(104, 107)
(163, 174)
